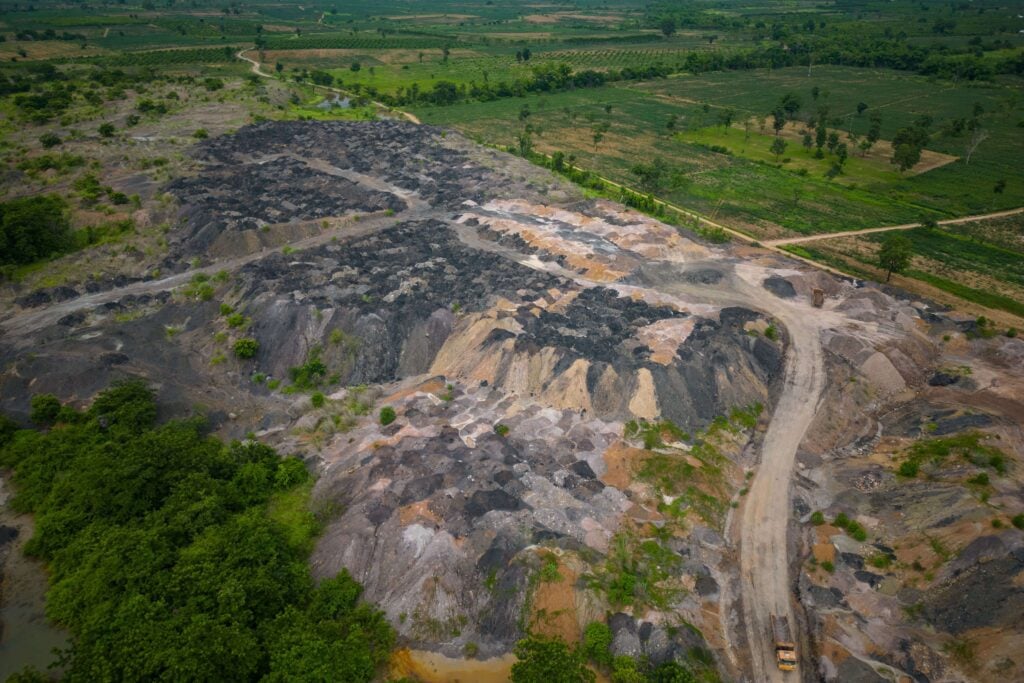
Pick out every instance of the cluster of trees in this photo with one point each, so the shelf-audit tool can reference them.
(545, 77)
(48, 34)
(909, 142)
(164, 561)
(42, 92)
(34, 228)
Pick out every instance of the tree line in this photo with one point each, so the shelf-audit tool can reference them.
(166, 561)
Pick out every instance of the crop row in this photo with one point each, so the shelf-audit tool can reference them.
(165, 57)
(353, 43)
(614, 57)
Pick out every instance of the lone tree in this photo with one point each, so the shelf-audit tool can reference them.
(668, 26)
(778, 147)
(895, 254)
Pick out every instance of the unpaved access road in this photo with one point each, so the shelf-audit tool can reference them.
(259, 72)
(888, 228)
(764, 518)
(764, 553)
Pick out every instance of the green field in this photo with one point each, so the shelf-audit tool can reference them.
(755, 193)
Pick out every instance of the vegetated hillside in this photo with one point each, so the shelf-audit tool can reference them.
(529, 412)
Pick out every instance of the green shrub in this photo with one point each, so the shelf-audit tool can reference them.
(841, 520)
(309, 374)
(236, 320)
(317, 399)
(49, 140)
(540, 659)
(597, 642)
(246, 348)
(45, 409)
(980, 479)
(387, 415)
(771, 332)
(828, 566)
(880, 560)
(501, 429)
(226, 309)
(106, 130)
(817, 518)
(908, 468)
(1018, 521)
(857, 532)
(549, 568)
(200, 134)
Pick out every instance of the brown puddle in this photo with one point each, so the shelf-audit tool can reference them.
(28, 638)
(431, 667)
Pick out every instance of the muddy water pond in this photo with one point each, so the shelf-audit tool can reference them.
(26, 637)
(431, 667)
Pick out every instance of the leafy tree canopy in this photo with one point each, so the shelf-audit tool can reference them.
(164, 562)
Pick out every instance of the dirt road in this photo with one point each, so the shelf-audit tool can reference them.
(764, 554)
(23, 324)
(905, 226)
(259, 72)
(764, 518)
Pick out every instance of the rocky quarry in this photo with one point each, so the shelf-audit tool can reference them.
(587, 410)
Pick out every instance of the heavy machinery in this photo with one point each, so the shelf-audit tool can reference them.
(785, 647)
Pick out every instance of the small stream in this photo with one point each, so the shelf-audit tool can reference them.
(26, 637)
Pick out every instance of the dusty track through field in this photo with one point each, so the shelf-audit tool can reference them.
(259, 72)
(905, 226)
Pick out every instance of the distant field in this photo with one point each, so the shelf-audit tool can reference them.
(754, 193)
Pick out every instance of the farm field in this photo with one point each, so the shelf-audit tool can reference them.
(980, 262)
(756, 194)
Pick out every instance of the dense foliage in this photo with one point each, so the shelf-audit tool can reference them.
(33, 228)
(167, 560)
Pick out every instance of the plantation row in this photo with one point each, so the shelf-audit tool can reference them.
(201, 55)
(614, 57)
(336, 42)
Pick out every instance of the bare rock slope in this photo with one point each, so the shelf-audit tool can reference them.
(581, 397)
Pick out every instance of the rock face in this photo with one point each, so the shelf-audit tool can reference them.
(516, 329)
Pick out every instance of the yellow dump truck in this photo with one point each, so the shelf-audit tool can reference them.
(785, 648)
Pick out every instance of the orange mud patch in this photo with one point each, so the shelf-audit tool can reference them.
(621, 461)
(433, 385)
(416, 512)
(554, 607)
(825, 552)
(431, 667)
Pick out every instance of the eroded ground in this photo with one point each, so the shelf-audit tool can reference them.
(596, 414)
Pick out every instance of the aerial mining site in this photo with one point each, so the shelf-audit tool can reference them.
(528, 411)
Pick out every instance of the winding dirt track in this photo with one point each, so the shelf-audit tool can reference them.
(905, 226)
(764, 554)
(259, 72)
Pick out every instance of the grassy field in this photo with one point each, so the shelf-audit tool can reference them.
(980, 262)
(747, 188)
